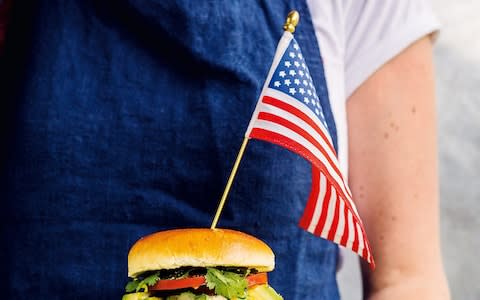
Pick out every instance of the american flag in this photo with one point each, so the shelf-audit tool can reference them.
(289, 114)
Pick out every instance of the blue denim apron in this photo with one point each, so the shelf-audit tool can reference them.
(122, 118)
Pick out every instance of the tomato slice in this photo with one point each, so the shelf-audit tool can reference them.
(176, 284)
(197, 281)
(256, 279)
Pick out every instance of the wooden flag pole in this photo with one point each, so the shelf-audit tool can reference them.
(229, 183)
(290, 24)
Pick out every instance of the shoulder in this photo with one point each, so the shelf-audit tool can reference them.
(362, 35)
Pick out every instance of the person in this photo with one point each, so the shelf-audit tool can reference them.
(123, 118)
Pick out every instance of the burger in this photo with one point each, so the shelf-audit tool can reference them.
(200, 264)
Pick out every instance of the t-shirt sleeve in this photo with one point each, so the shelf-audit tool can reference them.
(378, 30)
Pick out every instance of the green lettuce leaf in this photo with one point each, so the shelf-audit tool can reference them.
(142, 285)
(131, 286)
(227, 284)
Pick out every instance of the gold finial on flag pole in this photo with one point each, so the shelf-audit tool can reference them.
(229, 183)
(291, 22)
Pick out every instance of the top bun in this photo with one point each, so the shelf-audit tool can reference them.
(199, 247)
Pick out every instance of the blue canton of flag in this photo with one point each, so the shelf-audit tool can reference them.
(293, 77)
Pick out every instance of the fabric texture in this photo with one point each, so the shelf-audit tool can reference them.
(379, 30)
(124, 118)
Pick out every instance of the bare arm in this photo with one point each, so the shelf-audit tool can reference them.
(393, 176)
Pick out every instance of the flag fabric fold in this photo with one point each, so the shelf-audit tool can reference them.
(289, 114)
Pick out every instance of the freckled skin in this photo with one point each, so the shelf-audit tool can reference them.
(395, 183)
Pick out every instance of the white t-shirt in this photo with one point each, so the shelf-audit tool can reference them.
(356, 37)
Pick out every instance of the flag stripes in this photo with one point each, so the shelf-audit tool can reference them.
(330, 212)
(289, 127)
(305, 116)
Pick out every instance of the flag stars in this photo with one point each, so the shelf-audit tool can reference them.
(292, 77)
